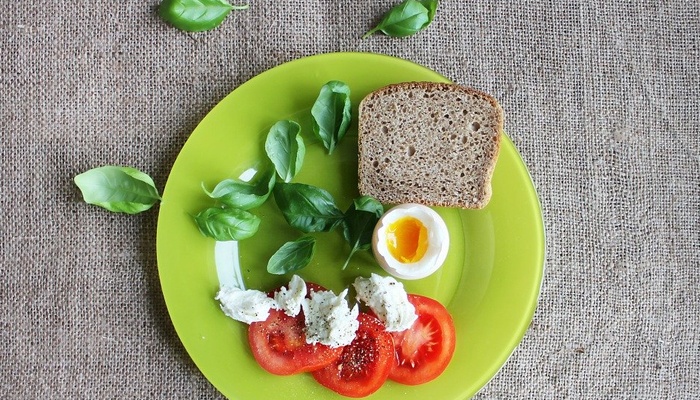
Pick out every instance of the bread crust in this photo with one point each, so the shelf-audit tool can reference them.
(370, 176)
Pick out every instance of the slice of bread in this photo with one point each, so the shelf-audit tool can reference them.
(429, 143)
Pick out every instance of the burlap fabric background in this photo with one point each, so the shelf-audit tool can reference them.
(601, 99)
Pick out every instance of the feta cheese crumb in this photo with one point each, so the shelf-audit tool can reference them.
(245, 305)
(289, 299)
(389, 301)
(329, 320)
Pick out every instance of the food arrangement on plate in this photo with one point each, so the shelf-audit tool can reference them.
(489, 281)
(420, 144)
(407, 151)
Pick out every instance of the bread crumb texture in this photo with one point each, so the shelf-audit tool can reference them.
(429, 143)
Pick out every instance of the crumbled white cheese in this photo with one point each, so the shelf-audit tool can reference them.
(245, 305)
(329, 320)
(389, 301)
(289, 298)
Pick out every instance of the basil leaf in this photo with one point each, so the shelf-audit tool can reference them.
(431, 6)
(369, 204)
(407, 18)
(358, 227)
(244, 195)
(307, 208)
(292, 256)
(196, 15)
(331, 114)
(225, 224)
(118, 189)
(285, 148)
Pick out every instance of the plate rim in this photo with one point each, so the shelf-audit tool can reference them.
(540, 226)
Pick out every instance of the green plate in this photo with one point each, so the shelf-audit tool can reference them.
(489, 283)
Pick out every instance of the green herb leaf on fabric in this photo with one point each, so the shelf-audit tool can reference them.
(224, 224)
(332, 114)
(285, 148)
(244, 195)
(118, 189)
(406, 19)
(359, 223)
(196, 15)
(307, 208)
(292, 256)
(431, 6)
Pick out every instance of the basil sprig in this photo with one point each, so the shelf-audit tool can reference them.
(225, 224)
(406, 19)
(244, 195)
(307, 208)
(196, 15)
(118, 189)
(285, 148)
(331, 114)
(292, 256)
(359, 222)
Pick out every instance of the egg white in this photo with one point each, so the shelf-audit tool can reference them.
(435, 254)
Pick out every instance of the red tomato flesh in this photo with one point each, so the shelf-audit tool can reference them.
(279, 344)
(364, 365)
(425, 349)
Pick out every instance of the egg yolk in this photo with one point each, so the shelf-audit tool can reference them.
(407, 239)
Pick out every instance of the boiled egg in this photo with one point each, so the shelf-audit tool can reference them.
(410, 241)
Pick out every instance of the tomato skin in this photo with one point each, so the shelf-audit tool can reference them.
(425, 349)
(279, 343)
(364, 365)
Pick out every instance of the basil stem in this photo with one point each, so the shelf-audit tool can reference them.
(292, 256)
(406, 19)
(118, 189)
(331, 114)
(307, 208)
(196, 15)
(285, 148)
(224, 224)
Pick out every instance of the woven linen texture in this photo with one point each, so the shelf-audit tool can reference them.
(601, 99)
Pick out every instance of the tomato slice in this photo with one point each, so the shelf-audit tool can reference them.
(364, 364)
(279, 343)
(425, 349)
